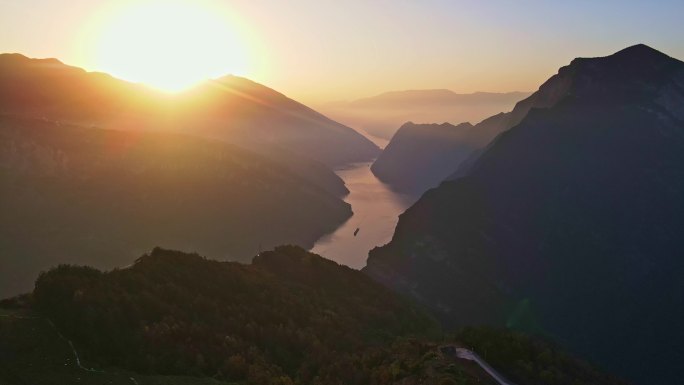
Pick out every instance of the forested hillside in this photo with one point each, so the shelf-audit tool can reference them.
(291, 317)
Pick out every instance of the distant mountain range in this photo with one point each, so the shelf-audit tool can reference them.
(381, 115)
(569, 223)
(413, 98)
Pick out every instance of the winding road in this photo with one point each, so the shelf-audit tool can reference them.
(77, 358)
(467, 354)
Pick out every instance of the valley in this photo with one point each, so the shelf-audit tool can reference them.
(376, 208)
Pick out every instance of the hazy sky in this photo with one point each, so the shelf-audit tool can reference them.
(318, 50)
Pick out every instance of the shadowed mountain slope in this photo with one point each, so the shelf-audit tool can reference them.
(100, 197)
(569, 222)
(420, 156)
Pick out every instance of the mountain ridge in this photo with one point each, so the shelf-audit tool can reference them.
(443, 95)
(380, 116)
(231, 109)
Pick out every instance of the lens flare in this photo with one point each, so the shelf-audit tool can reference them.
(170, 45)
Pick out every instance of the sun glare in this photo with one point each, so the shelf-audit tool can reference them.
(170, 45)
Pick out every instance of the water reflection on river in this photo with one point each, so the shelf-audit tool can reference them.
(376, 211)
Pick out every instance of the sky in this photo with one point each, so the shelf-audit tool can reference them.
(329, 50)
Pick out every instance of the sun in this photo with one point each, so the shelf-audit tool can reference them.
(169, 45)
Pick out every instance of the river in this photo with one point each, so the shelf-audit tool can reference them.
(376, 212)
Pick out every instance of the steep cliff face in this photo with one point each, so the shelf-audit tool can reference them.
(569, 222)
